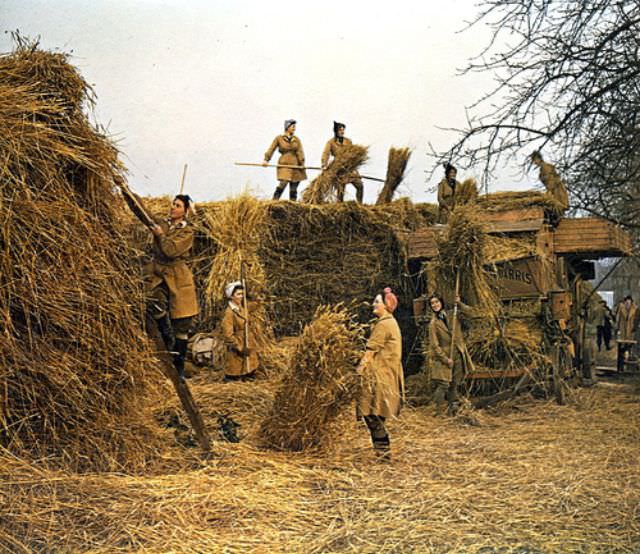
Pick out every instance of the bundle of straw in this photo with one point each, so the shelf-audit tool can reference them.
(322, 189)
(461, 252)
(321, 383)
(467, 192)
(236, 229)
(75, 366)
(512, 200)
(396, 165)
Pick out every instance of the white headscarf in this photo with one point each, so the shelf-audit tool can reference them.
(228, 290)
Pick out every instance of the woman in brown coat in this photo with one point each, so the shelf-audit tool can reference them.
(291, 153)
(447, 370)
(169, 286)
(382, 376)
(447, 193)
(242, 359)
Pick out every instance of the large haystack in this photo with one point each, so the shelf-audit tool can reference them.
(74, 364)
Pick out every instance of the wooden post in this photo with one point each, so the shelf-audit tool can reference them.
(184, 176)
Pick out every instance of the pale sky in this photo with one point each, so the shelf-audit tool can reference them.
(211, 82)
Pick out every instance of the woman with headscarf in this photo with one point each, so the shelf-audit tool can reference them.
(331, 149)
(382, 391)
(291, 153)
(169, 286)
(242, 358)
(447, 193)
(447, 369)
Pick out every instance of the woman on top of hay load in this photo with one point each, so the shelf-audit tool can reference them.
(447, 371)
(291, 151)
(242, 358)
(169, 286)
(332, 148)
(447, 193)
(551, 180)
(381, 369)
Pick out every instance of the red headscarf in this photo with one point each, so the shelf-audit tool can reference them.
(390, 300)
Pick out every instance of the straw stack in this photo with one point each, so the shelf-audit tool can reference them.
(320, 384)
(74, 362)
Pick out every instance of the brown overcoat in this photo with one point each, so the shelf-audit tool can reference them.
(446, 200)
(440, 348)
(170, 252)
(382, 391)
(627, 321)
(553, 183)
(233, 336)
(292, 153)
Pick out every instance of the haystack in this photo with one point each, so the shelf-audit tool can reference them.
(323, 188)
(74, 363)
(320, 384)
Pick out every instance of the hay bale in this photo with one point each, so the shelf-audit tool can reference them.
(74, 365)
(320, 384)
(322, 189)
(396, 165)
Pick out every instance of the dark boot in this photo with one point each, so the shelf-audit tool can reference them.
(293, 191)
(439, 397)
(359, 193)
(180, 346)
(278, 192)
(166, 331)
(382, 448)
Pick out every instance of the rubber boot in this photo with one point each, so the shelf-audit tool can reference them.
(180, 346)
(360, 194)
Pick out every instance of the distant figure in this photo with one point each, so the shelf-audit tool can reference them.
(551, 180)
(332, 148)
(605, 325)
(447, 193)
(291, 151)
(627, 323)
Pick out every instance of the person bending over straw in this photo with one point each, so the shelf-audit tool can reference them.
(242, 358)
(332, 148)
(169, 286)
(292, 154)
(382, 391)
(449, 365)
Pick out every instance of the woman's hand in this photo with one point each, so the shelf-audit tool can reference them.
(157, 230)
(450, 362)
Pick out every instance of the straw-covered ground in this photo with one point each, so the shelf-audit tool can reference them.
(531, 477)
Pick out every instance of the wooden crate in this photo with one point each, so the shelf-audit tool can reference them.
(514, 221)
(591, 237)
(422, 244)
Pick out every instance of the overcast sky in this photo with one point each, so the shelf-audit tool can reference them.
(210, 82)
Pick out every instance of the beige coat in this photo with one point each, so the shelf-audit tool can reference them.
(627, 321)
(440, 348)
(553, 183)
(233, 336)
(331, 149)
(169, 265)
(292, 153)
(446, 200)
(382, 378)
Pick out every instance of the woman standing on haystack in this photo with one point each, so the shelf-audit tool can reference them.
(382, 391)
(242, 358)
(292, 153)
(169, 286)
(447, 369)
(447, 193)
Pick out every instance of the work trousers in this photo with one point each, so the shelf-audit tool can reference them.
(449, 388)
(293, 190)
